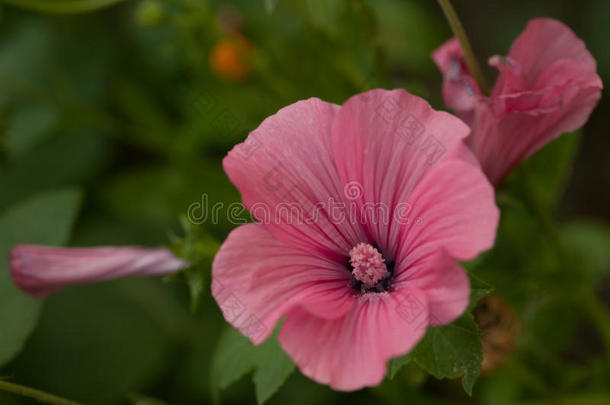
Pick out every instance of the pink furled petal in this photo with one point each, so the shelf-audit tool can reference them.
(552, 91)
(560, 89)
(460, 90)
(453, 209)
(384, 144)
(443, 281)
(546, 67)
(258, 278)
(351, 353)
(286, 175)
(42, 270)
(502, 143)
(511, 79)
(545, 41)
(547, 86)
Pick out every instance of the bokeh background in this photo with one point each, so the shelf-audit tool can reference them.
(132, 107)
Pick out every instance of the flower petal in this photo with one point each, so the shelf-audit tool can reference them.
(286, 175)
(453, 209)
(560, 89)
(258, 278)
(351, 353)
(444, 282)
(501, 143)
(42, 270)
(545, 41)
(460, 90)
(384, 143)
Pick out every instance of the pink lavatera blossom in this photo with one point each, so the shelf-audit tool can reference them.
(43, 270)
(363, 210)
(547, 85)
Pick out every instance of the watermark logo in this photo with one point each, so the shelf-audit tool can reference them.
(353, 190)
(236, 313)
(410, 130)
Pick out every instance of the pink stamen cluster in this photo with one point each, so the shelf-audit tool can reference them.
(368, 264)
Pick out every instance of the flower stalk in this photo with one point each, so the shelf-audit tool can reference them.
(35, 394)
(469, 57)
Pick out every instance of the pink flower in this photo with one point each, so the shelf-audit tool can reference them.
(363, 210)
(547, 85)
(43, 270)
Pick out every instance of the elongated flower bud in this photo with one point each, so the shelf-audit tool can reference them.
(43, 270)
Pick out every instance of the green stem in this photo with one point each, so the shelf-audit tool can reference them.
(460, 34)
(35, 394)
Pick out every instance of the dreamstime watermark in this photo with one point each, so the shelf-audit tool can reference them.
(333, 211)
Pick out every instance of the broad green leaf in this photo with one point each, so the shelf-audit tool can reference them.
(62, 6)
(104, 344)
(395, 364)
(273, 368)
(478, 289)
(44, 219)
(452, 351)
(236, 356)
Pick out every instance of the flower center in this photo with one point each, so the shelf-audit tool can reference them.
(368, 265)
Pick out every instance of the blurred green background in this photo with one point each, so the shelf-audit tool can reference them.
(121, 116)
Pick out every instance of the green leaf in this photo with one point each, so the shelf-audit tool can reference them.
(197, 279)
(236, 356)
(395, 364)
(199, 249)
(44, 219)
(106, 344)
(62, 6)
(273, 368)
(233, 358)
(478, 289)
(452, 351)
